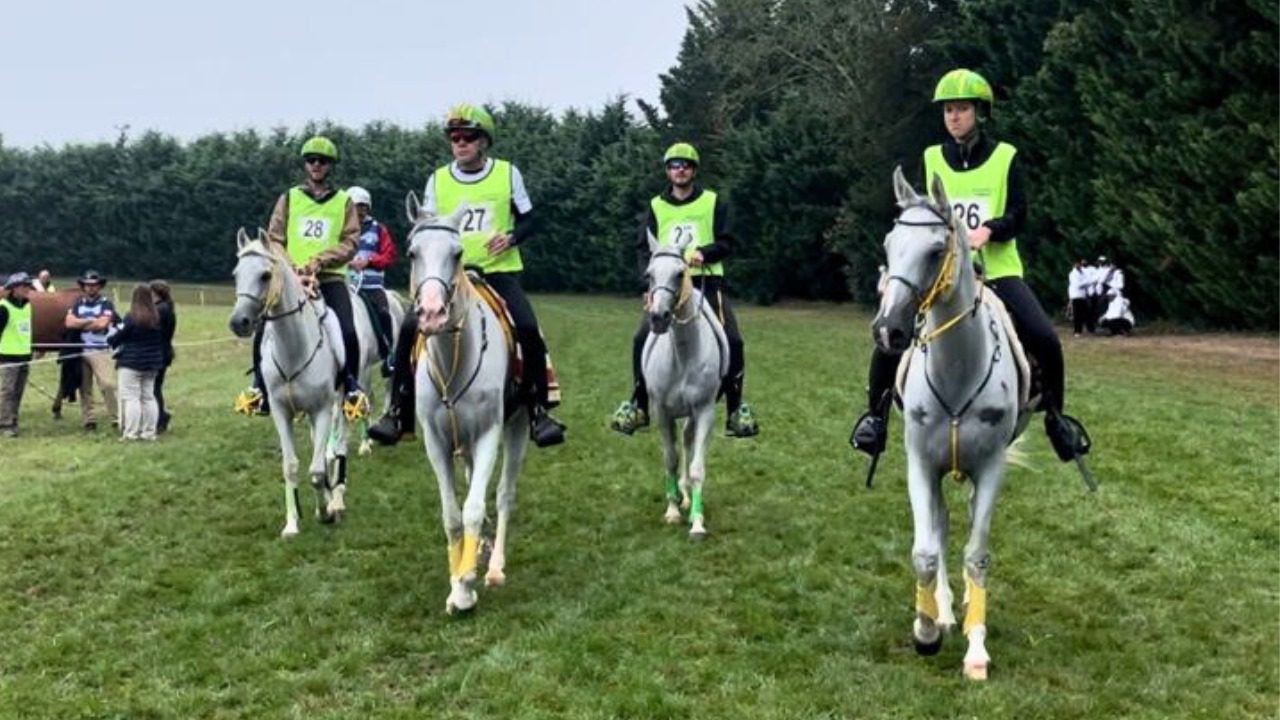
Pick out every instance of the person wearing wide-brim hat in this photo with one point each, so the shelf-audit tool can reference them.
(15, 349)
(93, 315)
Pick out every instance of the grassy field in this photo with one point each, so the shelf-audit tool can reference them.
(148, 580)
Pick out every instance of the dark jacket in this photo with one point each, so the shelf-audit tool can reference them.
(721, 248)
(141, 348)
(168, 325)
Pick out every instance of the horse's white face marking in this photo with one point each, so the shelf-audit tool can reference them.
(666, 277)
(253, 274)
(435, 254)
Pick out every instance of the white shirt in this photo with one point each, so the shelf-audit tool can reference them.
(1118, 309)
(1078, 283)
(519, 195)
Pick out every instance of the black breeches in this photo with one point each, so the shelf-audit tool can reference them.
(883, 374)
(713, 291)
(1037, 335)
(533, 348)
(338, 299)
(377, 298)
(158, 391)
(1082, 315)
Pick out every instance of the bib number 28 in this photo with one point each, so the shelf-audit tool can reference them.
(314, 229)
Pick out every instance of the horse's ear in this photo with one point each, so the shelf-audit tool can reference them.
(242, 239)
(455, 220)
(411, 207)
(939, 193)
(653, 241)
(902, 189)
(262, 236)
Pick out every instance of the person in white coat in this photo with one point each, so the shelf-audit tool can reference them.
(1078, 281)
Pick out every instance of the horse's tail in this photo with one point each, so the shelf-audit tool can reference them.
(1015, 455)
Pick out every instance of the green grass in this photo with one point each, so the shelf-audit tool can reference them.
(148, 581)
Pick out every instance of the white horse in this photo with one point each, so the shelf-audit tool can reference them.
(366, 329)
(960, 402)
(300, 362)
(463, 380)
(685, 358)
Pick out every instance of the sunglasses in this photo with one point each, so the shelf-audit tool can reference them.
(679, 165)
(459, 136)
(316, 160)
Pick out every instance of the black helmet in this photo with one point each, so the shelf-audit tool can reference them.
(16, 279)
(91, 276)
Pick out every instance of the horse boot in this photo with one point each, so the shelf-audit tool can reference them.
(544, 430)
(1067, 435)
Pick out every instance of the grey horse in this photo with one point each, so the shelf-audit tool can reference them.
(960, 400)
(300, 362)
(462, 382)
(685, 358)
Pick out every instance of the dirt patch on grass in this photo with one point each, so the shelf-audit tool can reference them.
(1254, 355)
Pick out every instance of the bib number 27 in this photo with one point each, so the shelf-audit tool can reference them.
(473, 220)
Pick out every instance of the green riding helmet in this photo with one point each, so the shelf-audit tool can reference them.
(470, 117)
(322, 146)
(681, 151)
(963, 84)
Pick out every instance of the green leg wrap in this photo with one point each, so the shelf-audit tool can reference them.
(695, 505)
(673, 489)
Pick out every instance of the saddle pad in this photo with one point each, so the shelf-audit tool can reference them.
(997, 309)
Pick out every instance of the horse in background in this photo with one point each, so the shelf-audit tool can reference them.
(684, 360)
(464, 382)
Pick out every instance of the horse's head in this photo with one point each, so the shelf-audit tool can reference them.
(435, 256)
(669, 283)
(257, 282)
(924, 252)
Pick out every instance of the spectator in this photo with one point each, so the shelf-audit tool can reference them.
(1118, 319)
(140, 358)
(163, 296)
(44, 282)
(1078, 281)
(15, 349)
(93, 315)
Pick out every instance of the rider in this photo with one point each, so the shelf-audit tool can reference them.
(319, 229)
(983, 181)
(688, 208)
(376, 253)
(499, 220)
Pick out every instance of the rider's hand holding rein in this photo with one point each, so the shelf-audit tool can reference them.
(979, 238)
(499, 244)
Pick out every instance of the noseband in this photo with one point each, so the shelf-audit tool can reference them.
(273, 298)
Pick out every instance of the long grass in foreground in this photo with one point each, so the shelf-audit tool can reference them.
(148, 581)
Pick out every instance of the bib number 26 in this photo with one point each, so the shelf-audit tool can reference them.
(970, 213)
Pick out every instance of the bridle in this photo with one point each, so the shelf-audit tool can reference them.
(274, 290)
(447, 284)
(679, 297)
(941, 285)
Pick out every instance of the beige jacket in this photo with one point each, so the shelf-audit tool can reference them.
(348, 243)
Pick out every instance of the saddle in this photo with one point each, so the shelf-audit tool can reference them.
(1029, 385)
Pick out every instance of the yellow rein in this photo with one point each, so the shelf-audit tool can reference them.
(462, 289)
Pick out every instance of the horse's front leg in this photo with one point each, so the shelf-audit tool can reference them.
(515, 441)
(484, 458)
(339, 437)
(977, 558)
(924, 489)
(671, 463)
(289, 460)
(697, 440)
(440, 454)
(321, 425)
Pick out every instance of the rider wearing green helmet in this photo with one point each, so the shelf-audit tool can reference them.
(498, 222)
(685, 208)
(983, 181)
(319, 229)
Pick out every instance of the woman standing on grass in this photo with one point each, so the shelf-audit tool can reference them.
(140, 358)
(163, 297)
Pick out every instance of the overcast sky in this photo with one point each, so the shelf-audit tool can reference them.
(74, 70)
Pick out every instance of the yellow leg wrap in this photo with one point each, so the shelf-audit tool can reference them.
(927, 600)
(455, 557)
(975, 612)
(470, 548)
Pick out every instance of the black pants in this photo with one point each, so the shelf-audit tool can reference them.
(377, 299)
(532, 347)
(714, 290)
(1082, 315)
(1035, 331)
(338, 300)
(158, 390)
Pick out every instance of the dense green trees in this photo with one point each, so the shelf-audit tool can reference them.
(1148, 128)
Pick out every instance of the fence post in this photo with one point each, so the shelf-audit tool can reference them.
(202, 298)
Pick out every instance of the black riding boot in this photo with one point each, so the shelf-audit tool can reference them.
(398, 419)
(871, 432)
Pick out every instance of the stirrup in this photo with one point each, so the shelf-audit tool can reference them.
(249, 402)
(628, 418)
(870, 434)
(355, 405)
(544, 430)
(1067, 436)
(742, 424)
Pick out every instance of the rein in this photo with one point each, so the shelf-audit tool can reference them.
(468, 300)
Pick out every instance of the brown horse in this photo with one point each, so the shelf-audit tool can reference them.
(48, 315)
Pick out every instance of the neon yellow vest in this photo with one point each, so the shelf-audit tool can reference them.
(16, 338)
(313, 227)
(676, 222)
(977, 195)
(488, 214)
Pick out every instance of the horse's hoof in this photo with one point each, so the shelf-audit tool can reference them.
(495, 578)
(366, 447)
(289, 532)
(697, 535)
(927, 649)
(975, 671)
(460, 609)
(673, 516)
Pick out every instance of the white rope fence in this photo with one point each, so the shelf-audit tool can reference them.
(72, 356)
